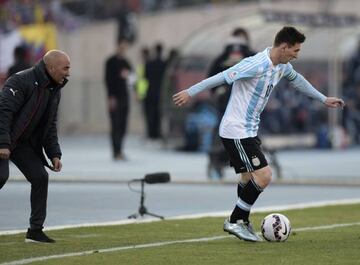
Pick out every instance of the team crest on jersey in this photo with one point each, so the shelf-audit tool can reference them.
(233, 74)
(255, 161)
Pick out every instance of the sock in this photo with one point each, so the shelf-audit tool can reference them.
(240, 187)
(247, 198)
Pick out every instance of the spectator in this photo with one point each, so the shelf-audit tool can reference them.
(117, 71)
(154, 74)
(234, 51)
(21, 61)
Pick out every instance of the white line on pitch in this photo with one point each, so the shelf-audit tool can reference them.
(156, 244)
(201, 215)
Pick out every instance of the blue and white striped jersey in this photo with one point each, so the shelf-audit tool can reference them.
(253, 80)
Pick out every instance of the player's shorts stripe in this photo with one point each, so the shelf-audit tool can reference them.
(246, 157)
(243, 155)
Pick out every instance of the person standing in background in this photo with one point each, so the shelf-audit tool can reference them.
(154, 74)
(21, 62)
(117, 71)
(142, 84)
(236, 49)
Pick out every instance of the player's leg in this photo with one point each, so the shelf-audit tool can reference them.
(29, 163)
(243, 180)
(259, 180)
(248, 159)
(4, 171)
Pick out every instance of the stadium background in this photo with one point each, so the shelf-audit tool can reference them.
(87, 30)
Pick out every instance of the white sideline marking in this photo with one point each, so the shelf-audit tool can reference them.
(156, 244)
(202, 215)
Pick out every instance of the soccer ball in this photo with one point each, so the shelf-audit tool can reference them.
(276, 227)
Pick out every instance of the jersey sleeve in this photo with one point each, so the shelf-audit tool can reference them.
(208, 83)
(247, 68)
(290, 74)
(301, 84)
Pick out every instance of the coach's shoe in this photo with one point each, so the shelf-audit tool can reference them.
(37, 236)
(252, 231)
(240, 230)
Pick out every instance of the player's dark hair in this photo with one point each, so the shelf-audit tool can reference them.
(289, 35)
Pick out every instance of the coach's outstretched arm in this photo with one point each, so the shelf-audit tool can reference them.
(183, 97)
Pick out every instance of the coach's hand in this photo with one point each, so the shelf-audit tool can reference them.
(181, 98)
(334, 102)
(57, 165)
(4, 153)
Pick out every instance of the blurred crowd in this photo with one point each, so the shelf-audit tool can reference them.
(351, 92)
(15, 13)
(288, 112)
(64, 13)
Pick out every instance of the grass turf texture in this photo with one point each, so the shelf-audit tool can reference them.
(329, 246)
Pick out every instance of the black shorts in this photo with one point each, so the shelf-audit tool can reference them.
(245, 154)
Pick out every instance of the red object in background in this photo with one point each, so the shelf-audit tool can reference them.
(186, 79)
(3, 77)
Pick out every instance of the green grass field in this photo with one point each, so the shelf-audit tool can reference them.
(134, 243)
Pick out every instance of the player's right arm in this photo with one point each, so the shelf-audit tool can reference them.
(245, 69)
(184, 96)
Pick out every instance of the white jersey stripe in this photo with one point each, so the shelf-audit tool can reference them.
(252, 82)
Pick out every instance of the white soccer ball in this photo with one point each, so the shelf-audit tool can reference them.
(276, 227)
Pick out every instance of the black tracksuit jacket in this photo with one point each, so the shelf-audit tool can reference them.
(29, 104)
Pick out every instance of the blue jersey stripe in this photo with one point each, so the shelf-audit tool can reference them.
(249, 125)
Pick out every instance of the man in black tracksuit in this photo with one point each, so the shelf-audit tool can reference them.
(28, 125)
(117, 70)
(155, 70)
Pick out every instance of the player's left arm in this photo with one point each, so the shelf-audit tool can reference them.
(301, 84)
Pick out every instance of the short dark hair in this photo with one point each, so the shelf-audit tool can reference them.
(289, 35)
(20, 52)
(240, 32)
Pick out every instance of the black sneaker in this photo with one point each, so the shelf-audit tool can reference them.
(37, 236)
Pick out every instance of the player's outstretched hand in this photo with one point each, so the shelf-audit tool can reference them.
(181, 98)
(332, 102)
